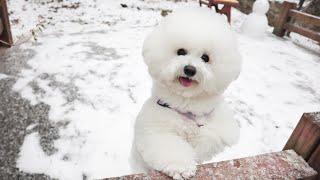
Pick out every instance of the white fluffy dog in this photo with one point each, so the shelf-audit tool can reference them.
(192, 57)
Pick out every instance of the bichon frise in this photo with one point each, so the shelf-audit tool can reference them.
(192, 57)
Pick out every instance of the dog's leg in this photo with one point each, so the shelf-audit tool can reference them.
(206, 144)
(222, 131)
(168, 153)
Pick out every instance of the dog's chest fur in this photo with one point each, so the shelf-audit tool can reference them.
(189, 129)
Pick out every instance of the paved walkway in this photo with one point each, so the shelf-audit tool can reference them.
(16, 114)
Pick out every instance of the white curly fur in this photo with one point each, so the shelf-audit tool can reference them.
(164, 140)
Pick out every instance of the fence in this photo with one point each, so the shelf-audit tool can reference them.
(288, 19)
(5, 35)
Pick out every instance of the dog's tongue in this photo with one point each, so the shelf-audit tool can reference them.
(186, 82)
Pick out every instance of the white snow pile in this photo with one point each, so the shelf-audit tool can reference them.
(88, 68)
(256, 23)
(3, 76)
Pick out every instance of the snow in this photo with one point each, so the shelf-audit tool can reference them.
(260, 7)
(256, 23)
(89, 69)
(3, 76)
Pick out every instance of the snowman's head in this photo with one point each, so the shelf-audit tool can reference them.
(260, 7)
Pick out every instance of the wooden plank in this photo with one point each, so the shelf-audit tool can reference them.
(5, 37)
(279, 165)
(314, 161)
(283, 18)
(233, 3)
(304, 18)
(296, 133)
(204, 2)
(303, 31)
(306, 136)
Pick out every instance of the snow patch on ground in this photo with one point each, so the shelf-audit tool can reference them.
(88, 68)
(97, 91)
(3, 76)
(42, 163)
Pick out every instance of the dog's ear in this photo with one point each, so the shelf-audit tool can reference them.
(147, 47)
(152, 51)
(155, 46)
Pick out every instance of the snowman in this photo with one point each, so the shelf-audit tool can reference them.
(256, 23)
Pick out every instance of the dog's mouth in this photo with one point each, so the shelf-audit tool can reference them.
(186, 82)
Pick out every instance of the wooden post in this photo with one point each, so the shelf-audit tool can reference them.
(305, 139)
(314, 161)
(5, 36)
(226, 9)
(301, 2)
(283, 18)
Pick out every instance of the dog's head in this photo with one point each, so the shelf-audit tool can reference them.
(193, 52)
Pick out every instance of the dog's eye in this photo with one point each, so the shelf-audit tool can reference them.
(181, 52)
(205, 58)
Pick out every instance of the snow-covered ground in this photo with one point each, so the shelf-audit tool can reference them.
(88, 68)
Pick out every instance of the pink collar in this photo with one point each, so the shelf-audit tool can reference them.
(188, 114)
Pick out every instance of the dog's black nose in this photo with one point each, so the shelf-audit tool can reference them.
(189, 70)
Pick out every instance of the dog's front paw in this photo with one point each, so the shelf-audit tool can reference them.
(203, 154)
(206, 148)
(182, 170)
